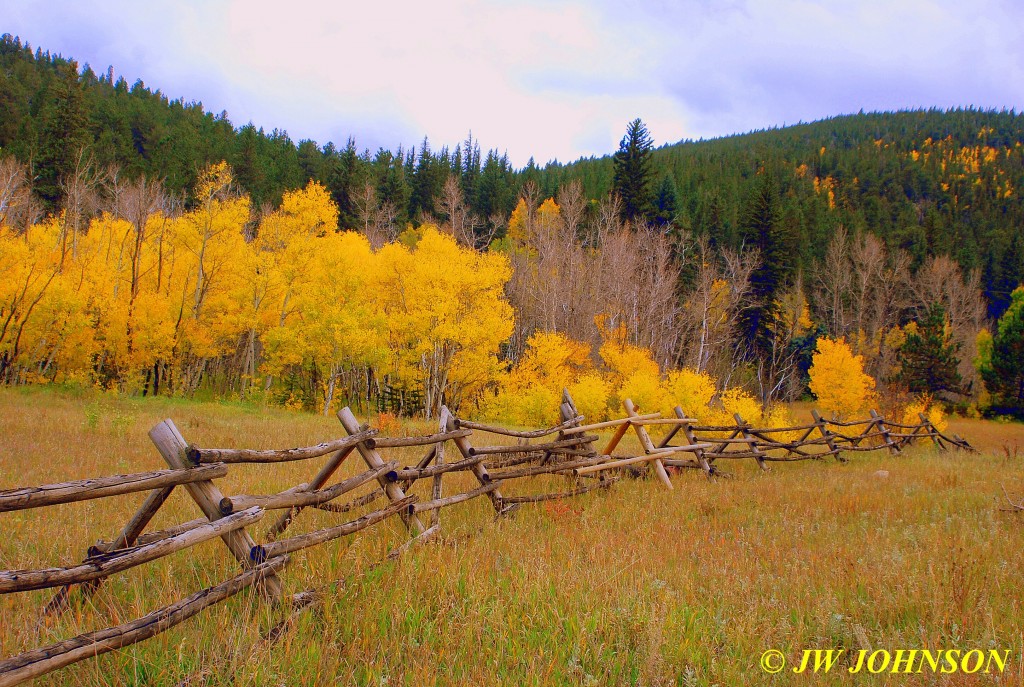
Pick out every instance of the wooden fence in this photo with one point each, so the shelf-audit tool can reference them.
(568, 449)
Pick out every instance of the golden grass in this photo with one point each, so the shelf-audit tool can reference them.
(633, 586)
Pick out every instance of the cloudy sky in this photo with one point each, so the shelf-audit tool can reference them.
(550, 79)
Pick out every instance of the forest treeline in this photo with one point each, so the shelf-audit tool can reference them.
(149, 246)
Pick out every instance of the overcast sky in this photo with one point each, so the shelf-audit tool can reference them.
(548, 79)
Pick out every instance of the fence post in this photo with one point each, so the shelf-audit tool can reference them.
(827, 435)
(373, 460)
(647, 444)
(893, 448)
(692, 438)
(930, 428)
(435, 515)
(173, 447)
(482, 476)
(751, 441)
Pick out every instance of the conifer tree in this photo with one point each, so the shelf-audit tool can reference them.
(666, 203)
(764, 231)
(1004, 374)
(633, 171)
(929, 357)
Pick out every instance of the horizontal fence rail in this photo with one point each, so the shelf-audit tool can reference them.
(566, 449)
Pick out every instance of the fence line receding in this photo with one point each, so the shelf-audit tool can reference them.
(568, 449)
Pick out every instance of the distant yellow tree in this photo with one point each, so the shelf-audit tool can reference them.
(531, 393)
(924, 404)
(691, 390)
(590, 394)
(632, 370)
(446, 314)
(838, 379)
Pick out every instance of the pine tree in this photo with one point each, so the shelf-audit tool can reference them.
(929, 357)
(666, 203)
(63, 135)
(1004, 375)
(764, 231)
(633, 172)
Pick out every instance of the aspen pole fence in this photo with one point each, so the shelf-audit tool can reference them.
(568, 449)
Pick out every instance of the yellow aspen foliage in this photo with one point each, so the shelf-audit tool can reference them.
(280, 267)
(446, 315)
(42, 307)
(838, 379)
(691, 390)
(518, 223)
(210, 237)
(631, 370)
(646, 391)
(549, 218)
(925, 404)
(525, 228)
(737, 400)
(551, 359)
(590, 394)
(622, 358)
(531, 393)
(778, 415)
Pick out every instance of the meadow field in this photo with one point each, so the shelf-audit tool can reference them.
(635, 585)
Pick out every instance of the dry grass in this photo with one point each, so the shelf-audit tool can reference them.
(635, 586)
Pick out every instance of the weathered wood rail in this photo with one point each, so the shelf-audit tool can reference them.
(565, 450)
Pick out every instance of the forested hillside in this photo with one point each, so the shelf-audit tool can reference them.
(150, 246)
(930, 182)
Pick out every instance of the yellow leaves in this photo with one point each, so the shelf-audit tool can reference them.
(624, 360)
(800, 171)
(552, 360)
(517, 222)
(213, 181)
(646, 391)
(444, 304)
(736, 401)
(925, 405)
(549, 215)
(827, 187)
(691, 390)
(590, 394)
(526, 226)
(838, 379)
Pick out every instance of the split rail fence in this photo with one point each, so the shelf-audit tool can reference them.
(568, 449)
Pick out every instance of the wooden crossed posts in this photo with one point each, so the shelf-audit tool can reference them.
(570, 453)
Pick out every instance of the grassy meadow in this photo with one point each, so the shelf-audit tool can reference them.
(633, 586)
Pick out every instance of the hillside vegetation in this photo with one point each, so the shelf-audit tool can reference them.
(153, 248)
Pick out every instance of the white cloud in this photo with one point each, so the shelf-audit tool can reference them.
(548, 79)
